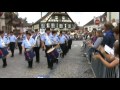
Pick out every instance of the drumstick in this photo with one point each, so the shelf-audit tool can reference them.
(57, 45)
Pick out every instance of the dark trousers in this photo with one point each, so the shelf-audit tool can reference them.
(63, 48)
(66, 48)
(20, 47)
(36, 49)
(12, 47)
(50, 63)
(70, 43)
(4, 62)
(30, 63)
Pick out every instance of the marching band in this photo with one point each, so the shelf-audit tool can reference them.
(55, 45)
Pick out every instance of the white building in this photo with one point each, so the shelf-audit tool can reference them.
(90, 25)
(113, 15)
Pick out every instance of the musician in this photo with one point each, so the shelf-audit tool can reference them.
(55, 40)
(66, 42)
(36, 37)
(47, 44)
(27, 46)
(13, 40)
(6, 39)
(24, 35)
(3, 48)
(70, 41)
(19, 41)
(62, 40)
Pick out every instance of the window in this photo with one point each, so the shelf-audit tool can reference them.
(63, 17)
(52, 25)
(56, 17)
(65, 25)
(66, 18)
(56, 25)
(69, 25)
(53, 17)
(42, 25)
(48, 25)
(60, 25)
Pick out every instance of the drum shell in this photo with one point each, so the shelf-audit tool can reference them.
(29, 55)
(3, 52)
(53, 55)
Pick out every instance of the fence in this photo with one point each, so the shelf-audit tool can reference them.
(100, 70)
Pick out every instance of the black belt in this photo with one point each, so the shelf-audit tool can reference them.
(54, 44)
(62, 43)
(48, 45)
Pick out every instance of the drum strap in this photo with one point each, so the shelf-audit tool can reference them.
(3, 43)
(28, 42)
(48, 39)
(37, 40)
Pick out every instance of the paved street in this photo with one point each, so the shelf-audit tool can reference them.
(72, 66)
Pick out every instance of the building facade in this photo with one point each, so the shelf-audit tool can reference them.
(55, 21)
(113, 15)
(91, 24)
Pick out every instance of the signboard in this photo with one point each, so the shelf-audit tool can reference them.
(96, 20)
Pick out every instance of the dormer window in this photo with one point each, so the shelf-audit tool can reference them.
(63, 17)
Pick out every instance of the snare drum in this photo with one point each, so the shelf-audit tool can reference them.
(3, 52)
(29, 54)
(52, 53)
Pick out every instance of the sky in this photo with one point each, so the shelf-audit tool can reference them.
(81, 18)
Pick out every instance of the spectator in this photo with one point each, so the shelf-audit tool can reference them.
(115, 62)
(116, 35)
(108, 38)
(94, 46)
(93, 37)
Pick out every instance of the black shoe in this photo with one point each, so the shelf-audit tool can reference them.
(48, 66)
(12, 56)
(4, 65)
(56, 61)
(37, 61)
(51, 68)
(29, 66)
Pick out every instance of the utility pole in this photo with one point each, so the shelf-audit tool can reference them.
(110, 16)
(41, 14)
